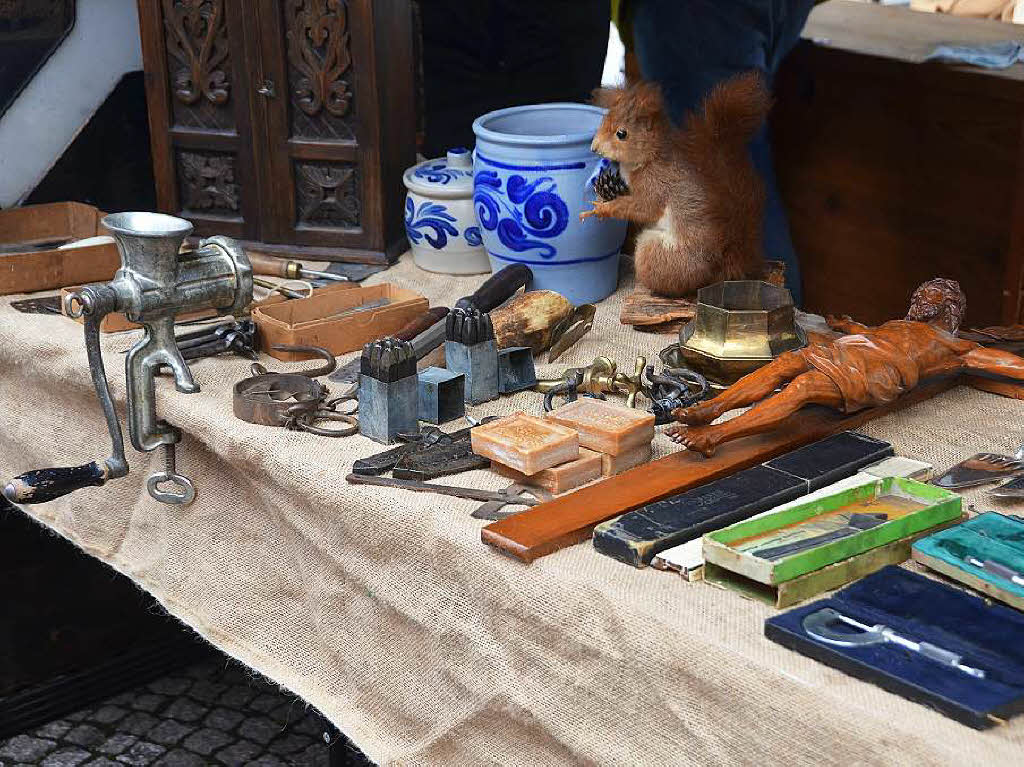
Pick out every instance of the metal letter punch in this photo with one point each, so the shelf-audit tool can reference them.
(154, 284)
(388, 391)
(470, 349)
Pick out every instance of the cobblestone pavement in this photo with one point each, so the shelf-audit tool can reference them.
(212, 713)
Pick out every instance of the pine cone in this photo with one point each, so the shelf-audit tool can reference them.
(610, 184)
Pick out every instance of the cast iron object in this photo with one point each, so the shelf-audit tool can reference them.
(431, 453)
(470, 493)
(470, 349)
(293, 400)
(498, 288)
(516, 370)
(442, 395)
(426, 332)
(510, 496)
(388, 391)
(44, 305)
(154, 284)
(739, 326)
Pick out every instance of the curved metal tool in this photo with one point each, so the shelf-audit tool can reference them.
(821, 624)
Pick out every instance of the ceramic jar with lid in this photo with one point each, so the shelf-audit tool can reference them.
(439, 217)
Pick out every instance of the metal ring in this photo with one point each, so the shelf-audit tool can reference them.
(183, 498)
(322, 415)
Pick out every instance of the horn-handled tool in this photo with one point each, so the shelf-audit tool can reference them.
(154, 284)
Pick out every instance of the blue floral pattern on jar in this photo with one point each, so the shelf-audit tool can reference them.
(433, 219)
(523, 214)
(440, 173)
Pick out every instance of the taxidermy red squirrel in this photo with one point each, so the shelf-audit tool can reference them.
(693, 188)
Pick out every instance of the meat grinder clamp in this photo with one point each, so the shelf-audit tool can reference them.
(154, 284)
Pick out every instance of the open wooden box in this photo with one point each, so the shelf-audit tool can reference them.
(729, 560)
(30, 254)
(332, 318)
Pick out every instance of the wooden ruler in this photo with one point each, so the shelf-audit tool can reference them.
(551, 526)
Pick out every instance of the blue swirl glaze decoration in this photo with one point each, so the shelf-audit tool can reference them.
(430, 217)
(473, 236)
(524, 214)
(440, 173)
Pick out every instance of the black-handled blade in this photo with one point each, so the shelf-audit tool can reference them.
(44, 485)
(498, 288)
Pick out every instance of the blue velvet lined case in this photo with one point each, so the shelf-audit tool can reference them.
(989, 637)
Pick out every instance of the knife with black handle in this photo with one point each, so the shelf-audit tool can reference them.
(498, 288)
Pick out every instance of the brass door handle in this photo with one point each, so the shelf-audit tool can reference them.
(267, 89)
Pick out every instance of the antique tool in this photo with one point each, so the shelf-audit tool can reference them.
(980, 469)
(431, 453)
(858, 523)
(597, 379)
(998, 569)
(44, 305)
(388, 390)
(821, 625)
(237, 337)
(153, 285)
(671, 389)
(571, 329)
(421, 325)
(293, 400)
(469, 493)
(470, 349)
(1012, 489)
(511, 496)
(497, 289)
(530, 319)
(292, 270)
(516, 370)
(273, 287)
(442, 395)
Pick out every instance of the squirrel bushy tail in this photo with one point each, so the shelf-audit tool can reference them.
(733, 111)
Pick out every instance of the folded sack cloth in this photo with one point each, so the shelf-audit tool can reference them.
(991, 56)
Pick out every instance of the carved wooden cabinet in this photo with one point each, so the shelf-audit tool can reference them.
(286, 124)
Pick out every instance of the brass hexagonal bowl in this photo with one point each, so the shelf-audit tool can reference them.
(739, 326)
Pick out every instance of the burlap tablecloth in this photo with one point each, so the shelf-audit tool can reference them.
(383, 609)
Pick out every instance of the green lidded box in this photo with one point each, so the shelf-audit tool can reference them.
(729, 560)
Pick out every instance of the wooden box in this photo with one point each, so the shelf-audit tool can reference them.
(729, 557)
(50, 267)
(332, 318)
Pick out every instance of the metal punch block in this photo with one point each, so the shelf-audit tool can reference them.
(516, 370)
(470, 349)
(388, 391)
(442, 395)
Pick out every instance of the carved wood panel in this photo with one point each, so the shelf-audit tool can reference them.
(199, 63)
(206, 182)
(320, 78)
(327, 194)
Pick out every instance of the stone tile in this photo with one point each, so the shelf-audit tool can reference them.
(204, 670)
(55, 729)
(138, 723)
(206, 691)
(206, 741)
(240, 753)
(78, 716)
(117, 744)
(260, 729)
(223, 719)
(267, 760)
(124, 699)
(311, 725)
(101, 761)
(169, 732)
(290, 743)
(236, 697)
(85, 735)
(316, 755)
(141, 754)
(148, 702)
(108, 714)
(66, 757)
(185, 710)
(170, 685)
(180, 758)
(25, 748)
(265, 703)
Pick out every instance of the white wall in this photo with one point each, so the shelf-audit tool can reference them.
(57, 103)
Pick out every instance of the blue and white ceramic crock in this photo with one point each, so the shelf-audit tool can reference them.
(531, 175)
(439, 217)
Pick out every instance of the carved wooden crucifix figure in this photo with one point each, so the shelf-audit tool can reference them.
(871, 366)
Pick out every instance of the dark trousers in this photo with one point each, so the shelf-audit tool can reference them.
(688, 46)
(481, 55)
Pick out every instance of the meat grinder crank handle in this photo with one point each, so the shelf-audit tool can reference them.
(42, 485)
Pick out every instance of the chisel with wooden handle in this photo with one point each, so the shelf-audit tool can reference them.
(423, 325)
(291, 270)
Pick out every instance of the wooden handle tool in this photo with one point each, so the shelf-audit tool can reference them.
(291, 270)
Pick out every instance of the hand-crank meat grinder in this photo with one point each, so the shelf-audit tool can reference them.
(154, 284)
